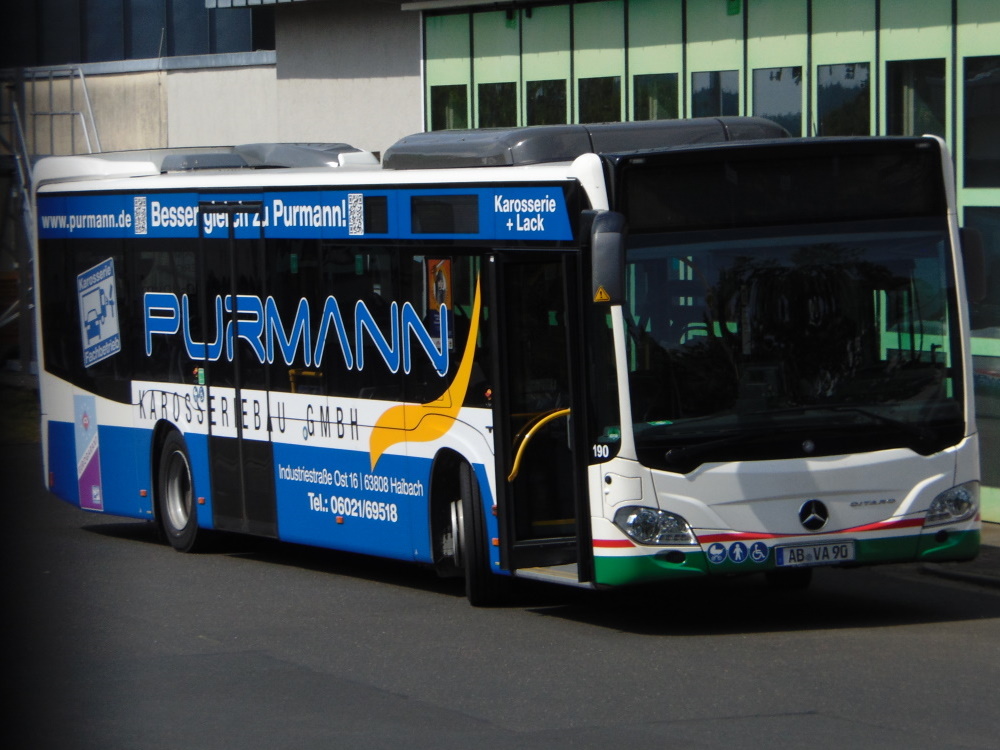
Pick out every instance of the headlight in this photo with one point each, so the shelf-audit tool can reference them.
(957, 504)
(652, 526)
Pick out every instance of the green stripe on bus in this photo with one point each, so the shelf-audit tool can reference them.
(618, 571)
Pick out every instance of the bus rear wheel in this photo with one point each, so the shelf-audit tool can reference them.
(175, 504)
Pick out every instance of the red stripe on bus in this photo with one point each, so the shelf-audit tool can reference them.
(900, 523)
(613, 543)
(729, 536)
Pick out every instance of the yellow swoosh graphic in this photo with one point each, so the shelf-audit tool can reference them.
(425, 422)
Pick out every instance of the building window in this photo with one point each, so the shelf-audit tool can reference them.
(715, 93)
(449, 107)
(601, 99)
(982, 121)
(546, 102)
(497, 105)
(915, 90)
(777, 95)
(843, 97)
(986, 314)
(58, 32)
(655, 96)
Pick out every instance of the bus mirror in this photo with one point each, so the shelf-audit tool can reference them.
(607, 238)
(974, 263)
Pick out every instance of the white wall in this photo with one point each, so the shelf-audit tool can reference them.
(129, 113)
(226, 106)
(349, 72)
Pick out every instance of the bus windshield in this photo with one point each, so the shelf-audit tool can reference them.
(825, 340)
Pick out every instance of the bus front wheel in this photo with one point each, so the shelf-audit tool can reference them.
(175, 505)
(483, 587)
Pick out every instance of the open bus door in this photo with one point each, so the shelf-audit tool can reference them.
(240, 450)
(541, 470)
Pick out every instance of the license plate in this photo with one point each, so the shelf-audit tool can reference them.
(814, 554)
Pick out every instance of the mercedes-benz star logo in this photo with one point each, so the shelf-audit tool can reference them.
(813, 515)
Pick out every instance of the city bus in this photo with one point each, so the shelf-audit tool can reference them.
(594, 355)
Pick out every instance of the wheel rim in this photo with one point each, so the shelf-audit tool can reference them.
(177, 491)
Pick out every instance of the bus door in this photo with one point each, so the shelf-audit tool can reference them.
(237, 377)
(541, 473)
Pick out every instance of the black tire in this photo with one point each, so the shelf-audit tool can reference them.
(483, 587)
(176, 509)
(789, 579)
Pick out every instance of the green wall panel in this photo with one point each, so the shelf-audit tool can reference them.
(496, 66)
(714, 43)
(655, 36)
(777, 51)
(545, 62)
(446, 41)
(599, 61)
(656, 57)
(447, 70)
(909, 32)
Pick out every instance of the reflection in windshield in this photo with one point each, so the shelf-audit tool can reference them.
(772, 339)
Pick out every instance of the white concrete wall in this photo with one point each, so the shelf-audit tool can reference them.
(349, 72)
(129, 112)
(227, 106)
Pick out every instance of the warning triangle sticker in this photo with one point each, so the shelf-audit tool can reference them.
(602, 295)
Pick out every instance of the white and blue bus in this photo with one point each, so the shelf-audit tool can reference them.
(592, 355)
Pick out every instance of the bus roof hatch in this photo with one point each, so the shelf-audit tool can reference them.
(563, 143)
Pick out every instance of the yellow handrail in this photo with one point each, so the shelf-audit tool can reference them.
(527, 438)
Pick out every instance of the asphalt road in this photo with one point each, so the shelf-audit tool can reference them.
(113, 640)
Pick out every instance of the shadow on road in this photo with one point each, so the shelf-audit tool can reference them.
(887, 597)
(881, 597)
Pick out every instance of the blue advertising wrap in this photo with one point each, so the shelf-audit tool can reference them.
(494, 213)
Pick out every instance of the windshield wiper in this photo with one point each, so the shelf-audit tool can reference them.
(685, 458)
(922, 435)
